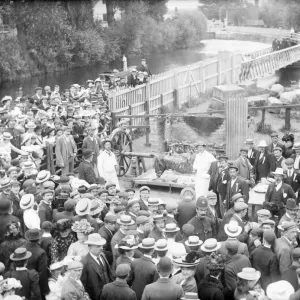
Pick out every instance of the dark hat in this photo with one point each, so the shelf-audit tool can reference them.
(5, 206)
(28, 183)
(122, 270)
(288, 137)
(296, 254)
(232, 245)
(33, 234)
(130, 190)
(110, 219)
(269, 236)
(202, 202)
(123, 195)
(257, 231)
(15, 162)
(69, 204)
(31, 190)
(120, 208)
(20, 254)
(188, 229)
(142, 220)
(102, 192)
(64, 179)
(109, 185)
(244, 150)
(234, 166)
(165, 265)
(82, 189)
(222, 156)
(86, 153)
(291, 204)
(46, 225)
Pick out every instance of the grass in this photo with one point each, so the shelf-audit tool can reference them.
(267, 129)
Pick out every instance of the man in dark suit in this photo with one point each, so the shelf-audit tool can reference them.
(236, 185)
(279, 159)
(85, 169)
(292, 177)
(144, 67)
(164, 288)
(143, 270)
(277, 194)
(252, 152)
(274, 144)
(264, 260)
(290, 274)
(264, 162)
(133, 78)
(38, 261)
(119, 289)
(186, 210)
(68, 213)
(45, 207)
(96, 270)
(107, 231)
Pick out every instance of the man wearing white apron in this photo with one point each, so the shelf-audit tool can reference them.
(201, 165)
(107, 164)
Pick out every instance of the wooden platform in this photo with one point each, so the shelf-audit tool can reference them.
(168, 179)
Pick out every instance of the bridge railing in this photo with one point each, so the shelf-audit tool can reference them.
(269, 63)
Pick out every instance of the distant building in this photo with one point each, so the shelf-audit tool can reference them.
(100, 12)
(177, 6)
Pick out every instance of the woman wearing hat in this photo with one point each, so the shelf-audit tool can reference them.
(126, 249)
(288, 150)
(29, 278)
(55, 281)
(62, 239)
(82, 228)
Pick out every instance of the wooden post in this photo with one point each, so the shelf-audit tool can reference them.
(114, 101)
(233, 68)
(130, 119)
(263, 116)
(236, 114)
(219, 71)
(202, 76)
(147, 112)
(287, 118)
(176, 100)
(161, 102)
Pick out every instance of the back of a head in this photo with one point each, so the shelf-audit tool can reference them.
(232, 247)
(165, 266)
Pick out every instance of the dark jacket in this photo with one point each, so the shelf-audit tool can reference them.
(17, 211)
(222, 236)
(5, 219)
(30, 283)
(210, 289)
(92, 276)
(253, 156)
(204, 228)
(143, 272)
(239, 186)
(290, 275)
(39, 262)
(107, 235)
(285, 191)
(86, 172)
(156, 234)
(163, 289)
(271, 147)
(186, 211)
(92, 145)
(45, 212)
(117, 291)
(262, 166)
(63, 215)
(264, 260)
(294, 182)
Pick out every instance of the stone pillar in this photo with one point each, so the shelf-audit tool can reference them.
(157, 134)
(236, 113)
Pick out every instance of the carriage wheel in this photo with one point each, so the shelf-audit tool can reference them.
(123, 160)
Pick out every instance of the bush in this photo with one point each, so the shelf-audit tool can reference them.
(267, 129)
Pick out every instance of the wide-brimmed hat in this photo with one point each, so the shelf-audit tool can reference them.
(280, 290)
(296, 146)
(82, 226)
(291, 204)
(30, 125)
(83, 207)
(278, 171)
(232, 229)
(27, 201)
(11, 169)
(193, 241)
(192, 259)
(262, 144)
(20, 254)
(147, 243)
(171, 227)
(161, 245)
(96, 208)
(95, 239)
(5, 182)
(55, 266)
(33, 234)
(210, 245)
(86, 153)
(7, 136)
(43, 176)
(249, 274)
(125, 220)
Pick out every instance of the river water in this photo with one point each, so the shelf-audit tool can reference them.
(158, 63)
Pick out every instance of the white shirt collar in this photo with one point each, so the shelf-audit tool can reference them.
(146, 255)
(21, 268)
(46, 234)
(278, 186)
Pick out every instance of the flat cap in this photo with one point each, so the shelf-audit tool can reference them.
(239, 206)
(171, 206)
(264, 212)
(289, 225)
(211, 195)
(274, 134)
(257, 231)
(122, 270)
(188, 229)
(277, 149)
(144, 188)
(73, 265)
(232, 245)
(269, 236)
(237, 196)
(142, 220)
(110, 218)
(268, 222)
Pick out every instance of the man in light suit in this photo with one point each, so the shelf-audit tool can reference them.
(65, 151)
(236, 185)
(73, 288)
(244, 165)
(96, 270)
(164, 288)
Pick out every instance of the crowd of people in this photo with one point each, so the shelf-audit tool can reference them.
(81, 236)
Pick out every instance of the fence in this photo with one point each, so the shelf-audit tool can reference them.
(174, 88)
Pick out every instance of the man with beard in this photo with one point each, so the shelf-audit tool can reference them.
(204, 226)
(277, 194)
(159, 224)
(279, 159)
(292, 177)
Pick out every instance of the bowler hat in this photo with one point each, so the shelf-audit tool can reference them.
(20, 254)
(122, 270)
(262, 144)
(291, 204)
(86, 153)
(5, 206)
(188, 229)
(33, 234)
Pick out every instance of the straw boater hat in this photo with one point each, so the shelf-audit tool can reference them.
(92, 187)
(20, 254)
(153, 201)
(30, 125)
(296, 146)
(148, 243)
(210, 245)
(192, 259)
(249, 274)
(7, 136)
(190, 296)
(83, 207)
(26, 201)
(125, 220)
(43, 176)
(128, 243)
(171, 227)
(95, 239)
(232, 229)
(280, 290)
(161, 245)
(262, 144)
(278, 171)
(82, 226)
(55, 266)
(132, 201)
(96, 208)
(193, 241)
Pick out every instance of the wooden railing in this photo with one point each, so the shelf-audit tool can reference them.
(255, 54)
(269, 63)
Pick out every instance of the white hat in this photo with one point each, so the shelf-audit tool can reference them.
(178, 250)
(27, 201)
(193, 241)
(280, 290)
(171, 227)
(249, 274)
(262, 144)
(210, 245)
(43, 176)
(95, 239)
(56, 265)
(83, 206)
(278, 171)
(232, 229)
(161, 245)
